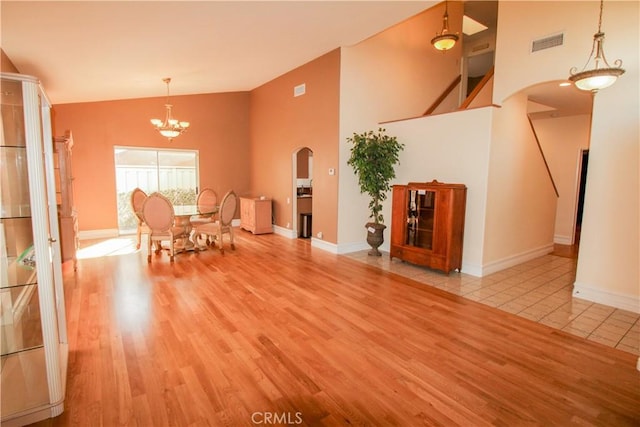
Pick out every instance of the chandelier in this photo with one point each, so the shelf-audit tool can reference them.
(602, 74)
(445, 40)
(170, 127)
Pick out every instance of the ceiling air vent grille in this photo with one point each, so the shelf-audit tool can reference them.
(547, 42)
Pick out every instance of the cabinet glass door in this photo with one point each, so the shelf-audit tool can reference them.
(21, 341)
(420, 216)
(31, 386)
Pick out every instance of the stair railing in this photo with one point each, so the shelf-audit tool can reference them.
(544, 159)
(444, 95)
(476, 90)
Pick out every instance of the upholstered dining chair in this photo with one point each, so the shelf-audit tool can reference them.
(158, 214)
(137, 199)
(222, 225)
(207, 202)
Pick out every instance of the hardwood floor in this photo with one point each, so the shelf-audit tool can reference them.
(279, 332)
(567, 251)
(540, 289)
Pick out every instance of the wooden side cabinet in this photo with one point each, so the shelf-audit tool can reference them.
(427, 225)
(255, 215)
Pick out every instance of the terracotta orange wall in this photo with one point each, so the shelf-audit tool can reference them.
(6, 65)
(282, 123)
(219, 130)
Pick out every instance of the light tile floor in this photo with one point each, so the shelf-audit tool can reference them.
(540, 290)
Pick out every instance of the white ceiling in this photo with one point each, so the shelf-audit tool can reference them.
(550, 100)
(102, 50)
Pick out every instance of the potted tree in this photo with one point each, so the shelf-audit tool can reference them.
(373, 159)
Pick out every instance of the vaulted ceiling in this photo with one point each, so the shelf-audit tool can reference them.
(101, 50)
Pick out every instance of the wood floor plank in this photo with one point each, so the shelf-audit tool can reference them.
(280, 329)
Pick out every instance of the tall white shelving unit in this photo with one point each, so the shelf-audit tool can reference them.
(33, 335)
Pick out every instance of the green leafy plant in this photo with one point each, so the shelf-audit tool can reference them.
(373, 158)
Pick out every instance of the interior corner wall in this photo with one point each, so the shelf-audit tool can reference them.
(521, 202)
(562, 140)
(281, 123)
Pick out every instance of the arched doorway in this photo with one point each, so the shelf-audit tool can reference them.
(302, 186)
(560, 116)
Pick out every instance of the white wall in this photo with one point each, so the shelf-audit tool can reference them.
(437, 147)
(609, 257)
(562, 139)
(608, 263)
(383, 78)
(521, 202)
(485, 97)
(521, 22)
(609, 260)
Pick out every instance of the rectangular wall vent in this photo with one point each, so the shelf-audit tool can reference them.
(480, 47)
(300, 90)
(547, 42)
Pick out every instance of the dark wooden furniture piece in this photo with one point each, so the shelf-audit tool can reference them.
(427, 224)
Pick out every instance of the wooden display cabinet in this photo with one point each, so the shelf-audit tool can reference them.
(64, 197)
(255, 215)
(427, 225)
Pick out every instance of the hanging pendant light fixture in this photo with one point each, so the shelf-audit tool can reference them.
(601, 75)
(170, 127)
(445, 40)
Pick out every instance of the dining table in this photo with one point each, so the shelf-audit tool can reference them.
(182, 219)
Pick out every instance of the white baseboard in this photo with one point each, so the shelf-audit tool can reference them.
(324, 245)
(563, 240)
(516, 259)
(286, 232)
(624, 302)
(471, 269)
(316, 243)
(347, 248)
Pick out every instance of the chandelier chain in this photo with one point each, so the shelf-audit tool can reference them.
(600, 19)
(167, 80)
